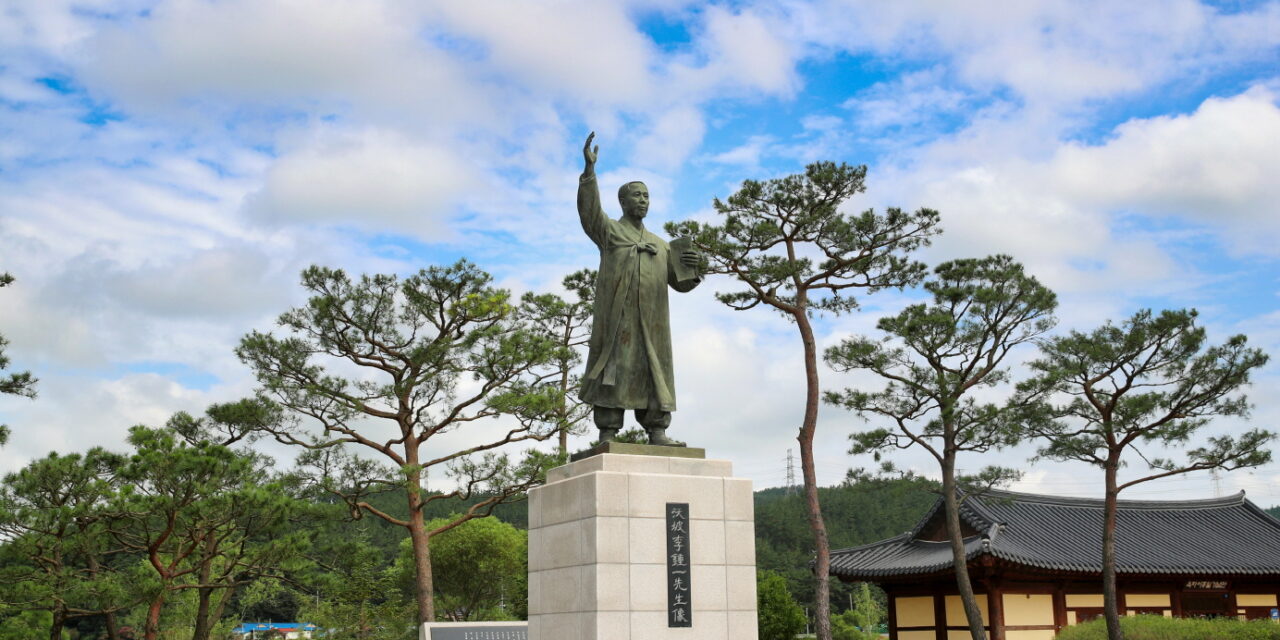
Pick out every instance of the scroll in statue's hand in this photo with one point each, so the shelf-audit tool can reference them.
(690, 258)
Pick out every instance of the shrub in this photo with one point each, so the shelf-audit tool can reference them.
(780, 617)
(1161, 628)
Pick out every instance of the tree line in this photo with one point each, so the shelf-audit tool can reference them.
(191, 531)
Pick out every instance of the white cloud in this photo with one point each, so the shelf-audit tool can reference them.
(747, 154)
(582, 49)
(1049, 51)
(373, 179)
(1215, 166)
(55, 26)
(745, 49)
(287, 52)
(1067, 210)
(910, 100)
(673, 135)
(73, 414)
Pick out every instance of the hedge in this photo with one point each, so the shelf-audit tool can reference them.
(1161, 628)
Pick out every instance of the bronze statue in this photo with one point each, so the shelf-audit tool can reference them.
(629, 363)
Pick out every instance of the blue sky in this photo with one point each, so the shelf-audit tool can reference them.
(167, 167)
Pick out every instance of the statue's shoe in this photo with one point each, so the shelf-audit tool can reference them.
(663, 441)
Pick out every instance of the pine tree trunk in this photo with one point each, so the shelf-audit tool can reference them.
(423, 587)
(1110, 597)
(202, 626)
(821, 545)
(202, 616)
(563, 409)
(59, 620)
(955, 533)
(113, 627)
(151, 630)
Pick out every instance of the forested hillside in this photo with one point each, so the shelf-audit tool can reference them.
(855, 514)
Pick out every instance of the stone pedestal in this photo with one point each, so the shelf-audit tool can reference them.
(598, 550)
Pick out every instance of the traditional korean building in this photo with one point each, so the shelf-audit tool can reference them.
(1035, 562)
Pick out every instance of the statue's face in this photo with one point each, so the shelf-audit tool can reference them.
(635, 200)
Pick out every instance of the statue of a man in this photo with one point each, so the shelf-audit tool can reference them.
(629, 363)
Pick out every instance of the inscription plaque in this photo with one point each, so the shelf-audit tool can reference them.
(474, 631)
(679, 574)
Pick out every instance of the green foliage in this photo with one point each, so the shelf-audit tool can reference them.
(766, 222)
(862, 621)
(780, 617)
(206, 519)
(481, 569)
(634, 435)
(56, 553)
(1147, 385)
(862, 511)
(1275, 512)
(177, 525)
(566, 325)
(356, 594)
(935, 355)
(1161, 628)
(20, 383)
(1148, 381)
(434, 352)
(24, 624)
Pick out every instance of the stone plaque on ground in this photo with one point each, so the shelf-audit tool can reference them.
(475, 631)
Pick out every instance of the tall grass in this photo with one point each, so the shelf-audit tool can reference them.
(1161, 628)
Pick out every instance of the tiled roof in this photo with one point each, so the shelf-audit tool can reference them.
(1218, 536)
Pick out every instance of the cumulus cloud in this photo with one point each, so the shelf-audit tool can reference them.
(581, 49)
(745, 50)
(1072, 211)
(1049, 51)
(909, 101)
(286, 52)
(1216, 165)
(747, 155)
(373, 179)
(674, 135)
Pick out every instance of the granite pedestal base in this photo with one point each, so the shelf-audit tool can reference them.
(598, 554)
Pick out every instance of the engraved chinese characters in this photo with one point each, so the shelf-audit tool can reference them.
(679, 576)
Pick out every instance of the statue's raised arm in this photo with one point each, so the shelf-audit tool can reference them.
(591, 214)
(589, 155)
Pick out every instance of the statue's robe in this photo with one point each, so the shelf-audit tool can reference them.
(629, 362)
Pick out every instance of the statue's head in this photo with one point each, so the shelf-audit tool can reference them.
(634, 198)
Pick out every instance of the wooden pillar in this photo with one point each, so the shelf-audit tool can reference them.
(1059, 610)
(994, 630)
(940, 616)
(893, 615)
(1175, 599)
(995, 601)
(1231, 602)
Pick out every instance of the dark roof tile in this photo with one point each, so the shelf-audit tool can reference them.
(1217, 536)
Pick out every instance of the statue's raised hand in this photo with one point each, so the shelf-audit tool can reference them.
(589, 154)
